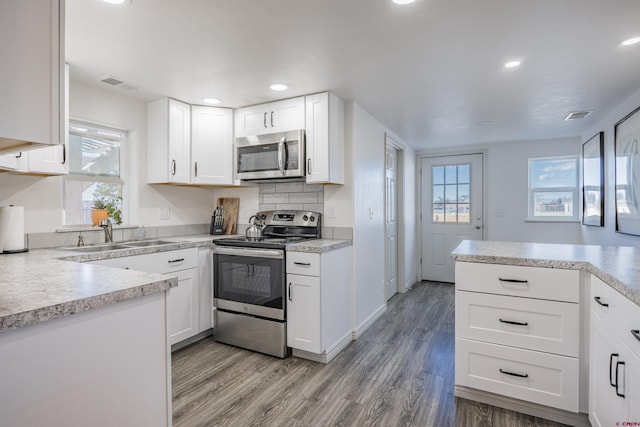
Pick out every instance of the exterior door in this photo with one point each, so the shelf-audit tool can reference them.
(391, 222)
(451, 210)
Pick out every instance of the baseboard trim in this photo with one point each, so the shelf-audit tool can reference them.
(328, 355)
(541, 411)
(184, 343)
(357, 333)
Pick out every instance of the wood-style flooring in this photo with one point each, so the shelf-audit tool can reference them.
(400, 372)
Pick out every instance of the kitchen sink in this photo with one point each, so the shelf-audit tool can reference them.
(143, 243)
(95, 248)
(114, 246)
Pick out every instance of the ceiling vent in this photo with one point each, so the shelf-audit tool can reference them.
(114, 81)
(577, 115)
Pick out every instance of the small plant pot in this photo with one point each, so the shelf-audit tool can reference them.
(98, 215)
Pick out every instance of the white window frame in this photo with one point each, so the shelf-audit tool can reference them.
(574, 190)
(106, 179)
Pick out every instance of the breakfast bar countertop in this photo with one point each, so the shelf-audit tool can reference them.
(618, 266)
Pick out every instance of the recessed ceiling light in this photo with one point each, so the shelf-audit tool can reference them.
(118, 2)
(631, 41)
(403, 1)
(279, 86)
(512, 64)
(211, 100)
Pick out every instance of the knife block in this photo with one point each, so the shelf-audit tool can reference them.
(216, 229)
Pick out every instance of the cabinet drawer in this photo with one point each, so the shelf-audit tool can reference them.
(532, 376)
(549, 326)
(303, 263)
(531, 282)
(617, 311)
(158, 262)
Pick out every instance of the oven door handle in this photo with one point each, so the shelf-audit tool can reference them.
(254, 252)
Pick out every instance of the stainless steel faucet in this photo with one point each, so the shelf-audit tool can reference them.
(108, 230)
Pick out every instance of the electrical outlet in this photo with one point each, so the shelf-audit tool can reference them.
(164, 213)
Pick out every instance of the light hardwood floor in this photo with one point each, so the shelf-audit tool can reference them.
(400, 372)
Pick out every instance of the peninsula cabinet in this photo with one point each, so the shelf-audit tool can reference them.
(319, 303)
(324, 139)
(168, 142)
(32, 68)
(518, 333)
(614, 367)
(183, 301)
(278, 116)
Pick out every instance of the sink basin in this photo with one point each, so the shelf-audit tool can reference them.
(143, 243)
(96, 248)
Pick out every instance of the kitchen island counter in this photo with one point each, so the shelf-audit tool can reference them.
(619, 267)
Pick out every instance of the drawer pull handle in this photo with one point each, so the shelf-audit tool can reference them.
(617, 382)
(171, 261)
(611, 383)
(511, 322)
(513, 280)
(636, 333)
(604, 304)
(513, 374)
(306, 264)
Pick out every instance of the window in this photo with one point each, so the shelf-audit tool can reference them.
(450, 191)
(553, 189)
(94, 173)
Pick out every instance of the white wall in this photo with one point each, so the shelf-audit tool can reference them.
(607, 235)
(506, 169)
(42, 197)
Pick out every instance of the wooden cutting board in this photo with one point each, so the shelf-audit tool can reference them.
(231, 205)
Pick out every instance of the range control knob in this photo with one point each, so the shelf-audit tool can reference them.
(313, 218)
(304, 218)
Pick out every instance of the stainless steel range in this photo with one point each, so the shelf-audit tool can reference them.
(249, 281)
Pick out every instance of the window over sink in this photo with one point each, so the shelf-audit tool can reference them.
(95, 173)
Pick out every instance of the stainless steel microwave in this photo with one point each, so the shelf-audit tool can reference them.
(275, 155)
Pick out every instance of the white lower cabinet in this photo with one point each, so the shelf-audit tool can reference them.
(614, 367)
(183, 311)
(518, 333)
(319, 303)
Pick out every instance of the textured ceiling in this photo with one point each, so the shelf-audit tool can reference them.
(430, 71)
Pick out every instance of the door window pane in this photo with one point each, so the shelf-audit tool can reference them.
(455, 194)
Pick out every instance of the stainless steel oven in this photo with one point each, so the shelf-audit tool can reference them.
(249, 289)
(277, 155)
(249, 281)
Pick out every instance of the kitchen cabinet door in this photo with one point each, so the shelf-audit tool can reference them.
(212, 145)
(251, 120)
(303, 313)
(605, 407)
(286, 115)
(182, 306)
(14, 162)
(32, 70)
(324, 139)
(168, 142)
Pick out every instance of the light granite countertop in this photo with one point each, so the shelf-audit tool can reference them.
(319, 246)
(45, 284)
(617, 266)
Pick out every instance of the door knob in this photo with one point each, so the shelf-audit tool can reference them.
(477, 227)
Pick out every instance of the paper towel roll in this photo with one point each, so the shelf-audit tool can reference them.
(11, 228)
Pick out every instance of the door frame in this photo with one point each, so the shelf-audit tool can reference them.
(390, 140)
(446, 153)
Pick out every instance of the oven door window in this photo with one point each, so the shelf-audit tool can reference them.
(250, 280)
(264, 157)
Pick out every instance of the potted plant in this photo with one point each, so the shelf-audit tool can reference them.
(107, 202)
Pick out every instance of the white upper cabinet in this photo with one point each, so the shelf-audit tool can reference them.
(212, 145)
(279, 116)
(324, 139)
(32, 86)
(168, 142)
